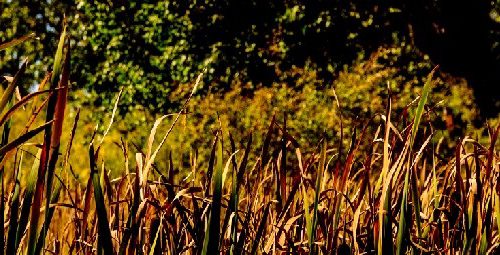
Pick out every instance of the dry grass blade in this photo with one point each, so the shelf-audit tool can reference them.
(132, 224)
(16, 41)
(260, 230)
(267, 141)
(496, 198)
(5, 139)
(143, 176)
(153, 155)
(112, 118)
(2, 209)
(20, 104)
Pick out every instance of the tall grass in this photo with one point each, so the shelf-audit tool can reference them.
(393, 194)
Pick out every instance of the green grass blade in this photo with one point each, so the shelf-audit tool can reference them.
(16, 41)
(55, 111)
(314, 220)
(233, 208)
(385, 238)
(307, 213)
(435, 195)
(321, 170)
(102, 215)
(485, 240)
(154, 249)
(58, 57)
(234, 201)
(416, 122)
(50, 212)
(23, 138)
(14, 209)
(212, 237)
(420, 108)
(204, 250)
(404, 220)
(28, 197)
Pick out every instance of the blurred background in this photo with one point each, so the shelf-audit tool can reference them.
(262, 58)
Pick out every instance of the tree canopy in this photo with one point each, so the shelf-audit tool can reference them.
(151, 48)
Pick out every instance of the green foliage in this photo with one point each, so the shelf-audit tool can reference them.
(19, 18)
(143, 47)
(151, 48)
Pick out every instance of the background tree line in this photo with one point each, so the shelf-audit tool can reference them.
(153, 47)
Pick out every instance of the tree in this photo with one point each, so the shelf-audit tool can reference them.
(18, 18)
(153, 48)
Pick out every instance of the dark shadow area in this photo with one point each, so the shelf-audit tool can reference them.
(460, 37)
